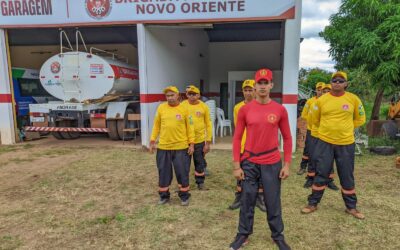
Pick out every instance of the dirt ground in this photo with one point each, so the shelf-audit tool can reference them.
(93, 193)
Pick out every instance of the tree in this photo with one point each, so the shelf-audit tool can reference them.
(310, 77)
(365, 35)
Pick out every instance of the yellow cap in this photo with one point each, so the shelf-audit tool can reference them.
(193, 89)
(320, 85)
(328, 86)
(189, 86)
(340, 74)
(171, 88)
(248, 83)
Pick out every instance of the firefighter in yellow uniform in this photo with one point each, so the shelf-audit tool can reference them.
(305, 160)
(200, 114)
(248, 94)
(326, 88)
(174, 128)
(336, 114)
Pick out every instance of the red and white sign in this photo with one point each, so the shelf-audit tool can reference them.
(58, 13)
(96, 68)
(98, 9)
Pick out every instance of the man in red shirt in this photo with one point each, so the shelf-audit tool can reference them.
(261, 159)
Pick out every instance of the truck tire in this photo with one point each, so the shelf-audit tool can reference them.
(383, 150)
(112, 129)
(122, 124)
(70, 135)
(57, 135)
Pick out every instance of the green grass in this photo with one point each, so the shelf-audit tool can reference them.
(106, 199)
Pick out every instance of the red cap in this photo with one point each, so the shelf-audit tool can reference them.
(263, 74)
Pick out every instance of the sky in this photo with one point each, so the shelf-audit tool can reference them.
(313, 49)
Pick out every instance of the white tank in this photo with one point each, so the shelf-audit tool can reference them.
(79, 76)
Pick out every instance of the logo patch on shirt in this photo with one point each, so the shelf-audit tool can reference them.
(272, 118)
(345, 107)
(361, 110)
(198, 113)
(178, 117)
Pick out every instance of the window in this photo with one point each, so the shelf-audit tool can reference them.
(31, 87)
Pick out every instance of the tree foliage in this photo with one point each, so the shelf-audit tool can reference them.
(310, 77)
(364, 36)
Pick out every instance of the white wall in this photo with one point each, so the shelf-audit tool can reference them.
(7, 131)
(163, 62)
(242, 56)
(291, 68)
(176, 65)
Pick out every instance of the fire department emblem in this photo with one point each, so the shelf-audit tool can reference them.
(98, 9)
(345, 107)
(55, 67)
(198, 113)
(263, 72)
(272, 118)
(178, 117)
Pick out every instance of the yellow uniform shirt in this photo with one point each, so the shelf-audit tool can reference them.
(337, 116)
(235, 116)
(174, 126)
(201, 119)
(305, 114)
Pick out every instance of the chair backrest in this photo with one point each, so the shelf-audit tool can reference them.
(133, 117)
(212, 107)
(220, 114)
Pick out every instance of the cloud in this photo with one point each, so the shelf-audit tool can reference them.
(314, 53)
(315, 16)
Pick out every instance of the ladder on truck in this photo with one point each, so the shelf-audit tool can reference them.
(71, 67)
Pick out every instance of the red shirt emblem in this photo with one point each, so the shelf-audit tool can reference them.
(178, 117)
(198, 113)
(98, 9)
(272, 118)
(345, 107)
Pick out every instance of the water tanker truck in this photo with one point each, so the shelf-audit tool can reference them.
(97, 90)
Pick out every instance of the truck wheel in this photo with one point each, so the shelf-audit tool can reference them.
(122, 124)
(57, 135)
(70, 135)
(112, 129)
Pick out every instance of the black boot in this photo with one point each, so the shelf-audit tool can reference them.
(260, 202)
(309, 182)
(332, 185)
(282, 245)
(302, 170)
(236, 202)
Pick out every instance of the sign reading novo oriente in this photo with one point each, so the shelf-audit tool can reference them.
(60, 12)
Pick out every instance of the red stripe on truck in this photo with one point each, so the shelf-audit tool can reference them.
(122, 72)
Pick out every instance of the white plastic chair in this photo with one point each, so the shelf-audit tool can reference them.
(212, 105)
(222, 122)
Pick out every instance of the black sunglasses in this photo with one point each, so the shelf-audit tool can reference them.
(338, 81)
